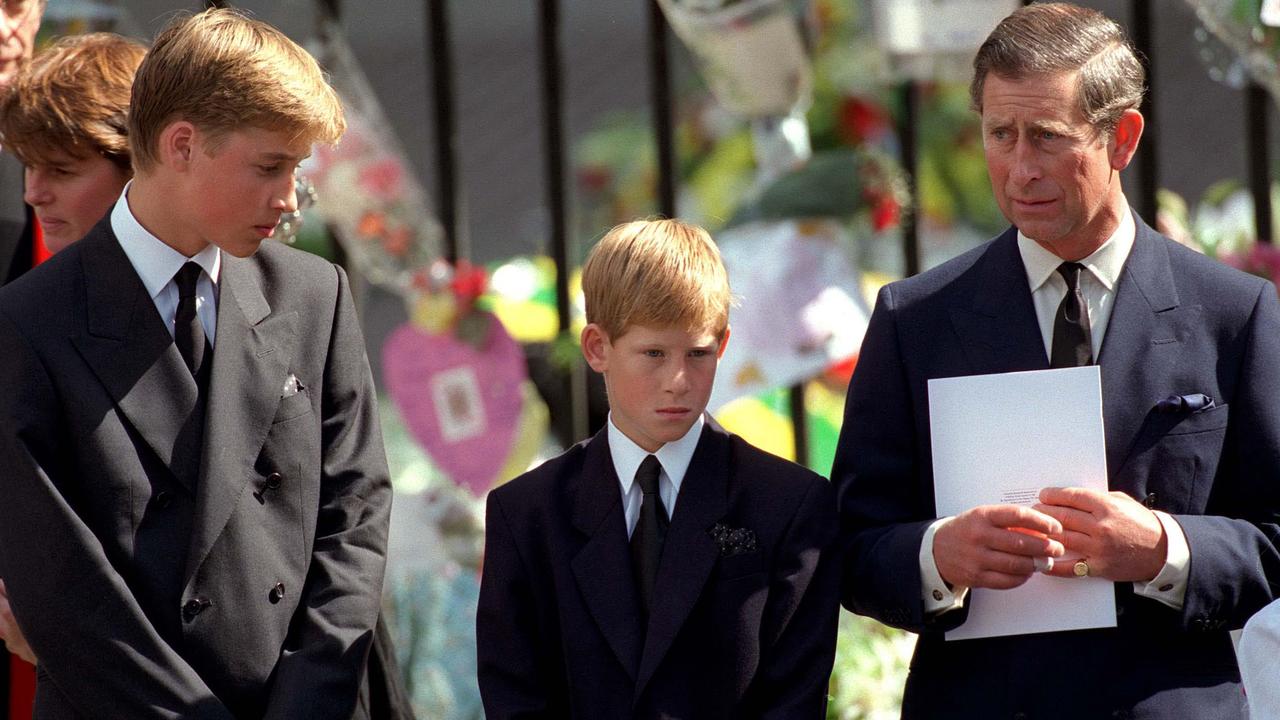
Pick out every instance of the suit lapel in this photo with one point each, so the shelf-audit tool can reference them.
(251, 359)
(998, 329)
(602, 568)
(134, 357)
(689, 553)
(1142, 345)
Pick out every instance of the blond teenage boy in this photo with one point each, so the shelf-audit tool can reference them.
(195, 497)
(663, 568)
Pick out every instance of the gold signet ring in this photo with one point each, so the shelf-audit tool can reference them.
(1081, 568)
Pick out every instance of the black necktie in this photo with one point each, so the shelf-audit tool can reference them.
(1072, 341)
(650, 532)
(188, 333)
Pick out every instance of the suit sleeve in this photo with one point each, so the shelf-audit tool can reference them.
(798, 637)
(508, 640)
(885, 500)
(1235, 565)
(323, 661)
(93, 639)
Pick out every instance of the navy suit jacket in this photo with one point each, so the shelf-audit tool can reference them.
(732, 634)
(1181, 324)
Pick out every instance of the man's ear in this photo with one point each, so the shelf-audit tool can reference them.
(596, 347)
(1124, 141)
(178, 144)
(724, 343)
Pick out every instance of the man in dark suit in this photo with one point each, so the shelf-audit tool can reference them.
(663, 568)
(1190, 363)
(196, 498)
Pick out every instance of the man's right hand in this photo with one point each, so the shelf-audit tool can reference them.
(9, 632)
(995, 546)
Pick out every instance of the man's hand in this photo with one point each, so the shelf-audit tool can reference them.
(1120, 538)
(9, 632)
(995, 546)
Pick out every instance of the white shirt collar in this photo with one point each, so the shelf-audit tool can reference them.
(155, 262)
(1106, 263)
(675, 456)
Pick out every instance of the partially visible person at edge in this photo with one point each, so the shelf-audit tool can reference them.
(19, 251)
(19, 21)
(1189, 355)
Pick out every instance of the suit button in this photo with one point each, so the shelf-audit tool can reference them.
(276, 594)
(1021, 716)
(194, 607)
(164, 499)
(274, 480)
(1121, 715)
(1150, 501)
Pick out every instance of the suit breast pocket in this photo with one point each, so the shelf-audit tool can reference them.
(1180, 463)
(293, 406)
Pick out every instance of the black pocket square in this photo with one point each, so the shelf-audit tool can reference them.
(1196, 402)
(733, 541)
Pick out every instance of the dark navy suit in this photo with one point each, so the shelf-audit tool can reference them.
(733, 634)
(1181, 324)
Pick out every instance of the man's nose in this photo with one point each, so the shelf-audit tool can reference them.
(1026, 163)
(287, 200)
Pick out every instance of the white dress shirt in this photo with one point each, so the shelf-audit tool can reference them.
(674, 458)
(1048, 288)
(156, 264)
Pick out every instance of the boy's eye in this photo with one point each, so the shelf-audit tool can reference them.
(269, 169)
(699, 353)
(653, 353)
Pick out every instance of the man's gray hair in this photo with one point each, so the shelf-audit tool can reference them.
(1049, 38)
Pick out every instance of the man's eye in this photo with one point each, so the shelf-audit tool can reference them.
(269, 169)
(653, 353)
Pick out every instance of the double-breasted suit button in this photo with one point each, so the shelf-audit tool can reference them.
(194, 607)
(1021, 716)
(273, 481)
(163, 499)
(276, 594)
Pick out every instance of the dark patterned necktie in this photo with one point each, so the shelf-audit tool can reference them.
(650, 531)
(1072, 341)
(188, 333)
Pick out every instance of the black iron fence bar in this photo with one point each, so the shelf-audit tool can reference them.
(553, 130)
(664, 137)
(446, 132)
(1256, 121)
(1148, 160)
(909, 93)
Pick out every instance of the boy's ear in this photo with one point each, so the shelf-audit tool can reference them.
(178, 144)
(724, 343)
(595, 347)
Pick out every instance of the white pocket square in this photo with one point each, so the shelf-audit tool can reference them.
(291, 386)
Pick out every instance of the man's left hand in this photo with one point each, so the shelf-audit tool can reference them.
(1117, 536)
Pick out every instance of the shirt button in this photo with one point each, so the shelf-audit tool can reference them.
(164, 499)
(937, 595)
(274, 480)
(1166, 587)
(276, 594)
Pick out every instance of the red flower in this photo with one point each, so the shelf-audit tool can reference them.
(381, 178)
(469, 282)
(885, 213)
(860, 120)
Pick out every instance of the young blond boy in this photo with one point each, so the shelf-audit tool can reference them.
(195, 493)
(663, 568)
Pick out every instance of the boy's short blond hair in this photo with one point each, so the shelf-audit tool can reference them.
(656, 273)
(72, 98)
(223, 71)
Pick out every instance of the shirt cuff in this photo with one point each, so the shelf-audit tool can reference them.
(1169, 586)
(937, 597)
